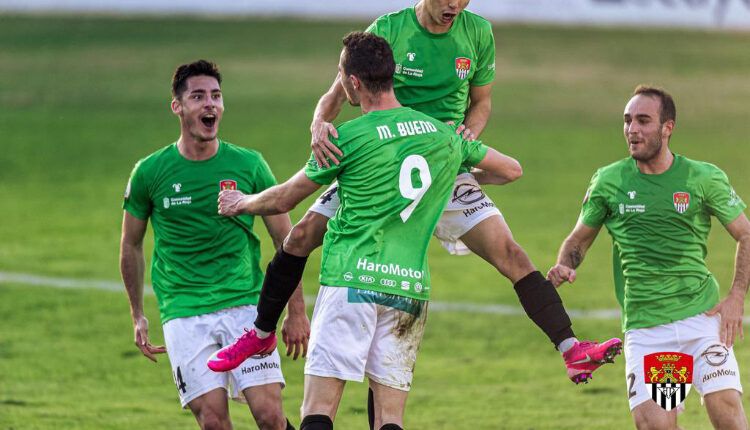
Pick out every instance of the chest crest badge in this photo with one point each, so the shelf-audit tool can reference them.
(227, 184)
(681, 201)
(463, 66)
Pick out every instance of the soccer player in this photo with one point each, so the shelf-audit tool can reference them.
(205, 267)
(445, 59)
(657, 206)
(395, 176)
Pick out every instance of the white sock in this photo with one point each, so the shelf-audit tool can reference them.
(261, 334)
(566, 344)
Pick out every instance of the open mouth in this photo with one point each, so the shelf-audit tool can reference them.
(448, 17)
(209, 120)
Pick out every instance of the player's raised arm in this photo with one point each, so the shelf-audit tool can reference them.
(276, 200)
(326, 111)
(571, 254)
(732, 307)
(132, 266)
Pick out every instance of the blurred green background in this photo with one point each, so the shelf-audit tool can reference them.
(83, 98)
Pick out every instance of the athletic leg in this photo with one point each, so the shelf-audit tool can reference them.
(211, 410)
(321, 401)
(725, 410)
(388, 405)
(265, 405)
(492, 240)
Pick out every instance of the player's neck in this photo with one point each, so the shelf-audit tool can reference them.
(656, 165)
(426, 21)
(383, 101)
(197, 150)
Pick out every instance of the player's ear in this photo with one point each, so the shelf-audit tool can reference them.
(668, 128)
(176, 106)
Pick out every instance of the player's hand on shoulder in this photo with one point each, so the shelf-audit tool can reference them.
(140, 328)
(561, 273)
(731, 309)
(321, 145)
(230, 202)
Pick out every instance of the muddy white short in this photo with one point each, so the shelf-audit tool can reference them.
(190, 341)
(467, 207)
(714, 365)
(360, 332)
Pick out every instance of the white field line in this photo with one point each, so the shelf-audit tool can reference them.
(498, 309)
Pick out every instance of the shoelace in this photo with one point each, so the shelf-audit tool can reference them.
(239, 347)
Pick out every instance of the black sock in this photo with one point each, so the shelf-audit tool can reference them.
(391, 426)
(282, 277)
(544, 306)
(316, 422)
(289, 425)
(371, 408)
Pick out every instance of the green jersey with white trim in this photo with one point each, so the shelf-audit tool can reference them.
(659, 226)
(394, 180)
(434, 72)
(202, 262)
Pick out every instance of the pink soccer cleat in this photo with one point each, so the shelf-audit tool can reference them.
(248, 345)
(585, 357)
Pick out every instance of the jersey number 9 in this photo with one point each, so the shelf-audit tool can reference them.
(406, 186)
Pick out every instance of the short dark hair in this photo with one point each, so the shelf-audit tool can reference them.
(186, 71)
(369, 58)
(667, 110)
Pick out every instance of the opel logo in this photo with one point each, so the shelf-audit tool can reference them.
(716, 355)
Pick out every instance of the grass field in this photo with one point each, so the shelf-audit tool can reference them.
(84, 98)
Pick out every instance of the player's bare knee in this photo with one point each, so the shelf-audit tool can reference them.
(647, 421)
(272, 419)
(211, 420)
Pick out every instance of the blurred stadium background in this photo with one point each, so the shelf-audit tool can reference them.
(84, 90)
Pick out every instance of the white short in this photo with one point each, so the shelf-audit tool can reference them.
(467, 207)
(714, 366)
(190, 341)
(359, 332)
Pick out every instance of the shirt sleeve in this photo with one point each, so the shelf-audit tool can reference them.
(721, 199)
(594, 210)
(263, 176)
(472, 152)
(485, 73)
(137, 200)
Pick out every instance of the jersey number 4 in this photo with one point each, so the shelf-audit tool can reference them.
(406, 186)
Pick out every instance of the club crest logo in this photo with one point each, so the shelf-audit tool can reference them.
(463, 66)
(681, 201)
(227, 184)
(669, 376)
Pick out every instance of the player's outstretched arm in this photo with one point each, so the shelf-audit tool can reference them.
(276, 200)
(498, 168)
(132, 266)
(326, 111)
(295, 329)
(732, 307)
(571, 254)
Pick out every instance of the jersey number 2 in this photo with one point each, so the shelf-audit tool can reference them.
(406, 186)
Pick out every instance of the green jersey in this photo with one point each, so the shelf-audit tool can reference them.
(434, 71)
(202, 262)
(659, 226)
(394, 180)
